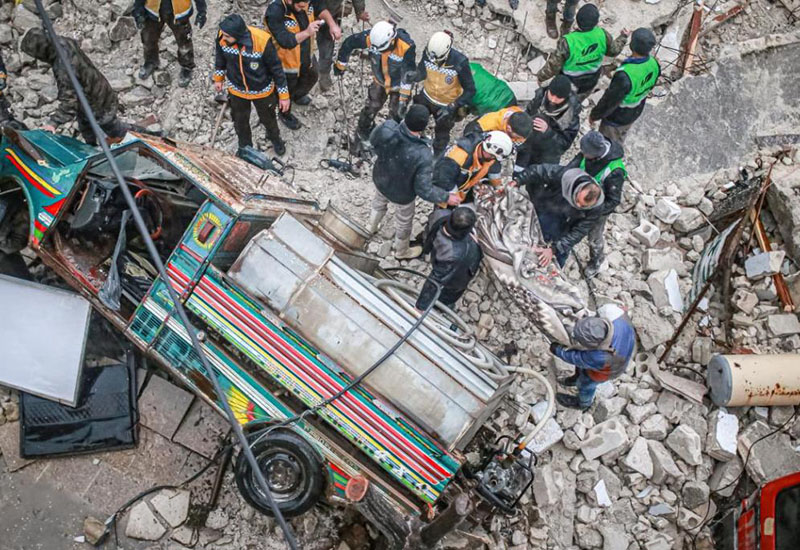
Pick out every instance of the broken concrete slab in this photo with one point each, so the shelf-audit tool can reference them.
(772, 457)
(651, 327)
(663, 259)
(545, 486)
(715, 135)
(666, 211)
(764, 264)
(203, 430)
(784, 203)
(680, 385)
(549, 435)
(143, 523)
(638, 458)
(665, 289)
(162, 406)
(784, 324)
(647, 233)
(689, 220)
(664, 466)
(744, 300)
(604, 438)
(702, 348)
(173, 506)
(724, 479)
(723, 433)
(684, 442)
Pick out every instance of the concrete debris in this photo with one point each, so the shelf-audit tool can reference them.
(173, 506)
(666, 211)
(685, 443)
(665, 289)
(638, 459)
(694, 494)
(726, 474)
(647, 233)
(143, 523)
(549, 435)
(601, 494)
(702, 349)
(744, 300)
(655, 427)
(770, 458)
(663, 259)
(784, 203)
(604, 438)
(545, 486)
(723, 432)
(764, 264)
(783, 324)
(689, 220)
(664, 466)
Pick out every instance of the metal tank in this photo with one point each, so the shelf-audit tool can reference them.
(347, 318)
(760, 380)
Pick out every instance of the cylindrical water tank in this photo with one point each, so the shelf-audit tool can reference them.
(763, 380)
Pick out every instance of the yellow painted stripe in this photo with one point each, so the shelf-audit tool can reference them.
(33, 174)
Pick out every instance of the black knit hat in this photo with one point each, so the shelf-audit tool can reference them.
(587, 17)
(235, 26)
(642, 41)
(560, 86)
(417, 118)
(521, 124)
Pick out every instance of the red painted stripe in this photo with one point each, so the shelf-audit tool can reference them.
(33, 182)
(398, 444)
(338, 470)
(339, 486)
(55, 207)
(333, 386)
(192, 253)
(39, 226)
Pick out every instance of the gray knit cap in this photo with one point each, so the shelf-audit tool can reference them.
(592, 333)
(594, 145)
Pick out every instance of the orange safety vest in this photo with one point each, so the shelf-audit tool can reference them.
(180, 8)
(498, 121)
(475, 172)
(290, 59)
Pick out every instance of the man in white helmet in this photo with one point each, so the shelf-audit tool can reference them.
(473, 159)
(392, 56)
(447, 85)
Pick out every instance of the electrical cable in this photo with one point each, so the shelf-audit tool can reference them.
(738, 478)
(174, 297)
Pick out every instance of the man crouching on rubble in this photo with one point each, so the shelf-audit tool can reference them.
(101, 96)
(602, 350)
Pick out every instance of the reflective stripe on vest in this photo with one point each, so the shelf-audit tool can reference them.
(601, 176)
(475, 173)
(180, 8)
(643, 78)
(441, 85)
(291, 59)
(586, 52)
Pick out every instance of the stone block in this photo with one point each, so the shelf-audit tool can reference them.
(685, 443)
(666, 211)
(655, 427)
(143, 524)
(664, 466)
(549, 435)
(647, 233)
(784, 203)
(638, 458)
(173, 506)
(665, 289)
(689, 220)
(772, 457)
(546, 488)
(202, 430)
(702, 350)
(614, 536)
(783, 324)
(662, 259)
(604, 438)
(723, 432)
(694, 494)
(722, 480)
(744, 300)
(764, 264)
(123, 29)
(162, 406)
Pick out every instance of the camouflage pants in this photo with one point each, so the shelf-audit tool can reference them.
(182, 29)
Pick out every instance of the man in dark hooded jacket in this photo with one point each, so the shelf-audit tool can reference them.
(101, 96)
(402, 172)
(555, 111)
(601, 158)
(566, 201)
(602, 352)
(455, 255)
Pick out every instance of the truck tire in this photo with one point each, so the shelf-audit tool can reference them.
(292, 469)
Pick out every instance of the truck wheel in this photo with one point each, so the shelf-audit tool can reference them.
(292, 469)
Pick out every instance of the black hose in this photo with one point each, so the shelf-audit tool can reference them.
(358, 379)
(151, 249)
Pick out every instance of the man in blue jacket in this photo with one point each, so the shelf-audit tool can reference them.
(402, 172)
(602, 352)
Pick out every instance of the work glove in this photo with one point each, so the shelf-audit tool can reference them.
(554, 346)
(3, 84)
(139, 17)
(200, 20)
(446, 112)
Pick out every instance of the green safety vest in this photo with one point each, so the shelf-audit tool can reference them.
(643, 79)
(586, 52)
(610, 167)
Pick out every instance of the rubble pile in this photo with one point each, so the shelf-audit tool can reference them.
(637, 471)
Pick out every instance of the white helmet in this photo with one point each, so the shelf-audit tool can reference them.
(382, 34)
(498, 144)
(439, 46)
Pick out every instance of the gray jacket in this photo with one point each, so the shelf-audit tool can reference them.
(404, 167)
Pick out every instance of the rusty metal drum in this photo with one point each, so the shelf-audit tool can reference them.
(754, 380)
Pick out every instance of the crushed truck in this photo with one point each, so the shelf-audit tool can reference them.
(290, 311)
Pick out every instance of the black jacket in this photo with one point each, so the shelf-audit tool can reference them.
(608, 107)
(543, 183)
(401, 60)
(548, 146)
(451, 171)
(276, 20)
(101, 96)
(252, 68)
(458, 62)
(455, 261)
(336, 7)
(613, 182)
(404, 165)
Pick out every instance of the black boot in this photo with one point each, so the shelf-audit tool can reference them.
(147, 69)
(595, 266)
(570, 401)
(569, 381)
(279, 146)
(303, 100)
(550, 23)
(289, 120)
(185, 77)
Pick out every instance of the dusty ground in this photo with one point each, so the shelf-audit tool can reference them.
(655, 507)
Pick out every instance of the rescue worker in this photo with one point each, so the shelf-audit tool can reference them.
(601, 158)
(602, 352)
(325, 41)
(152, 15)
(402, 172)
(473, 159)
(579, 54)
(247, 61)
(455, 255)
(625, 97)
(555, 112)
(567, 202)
(514, 121)
(566, 19)
(294, 24)
(392, 55)
(101, 96)
(447, 85)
